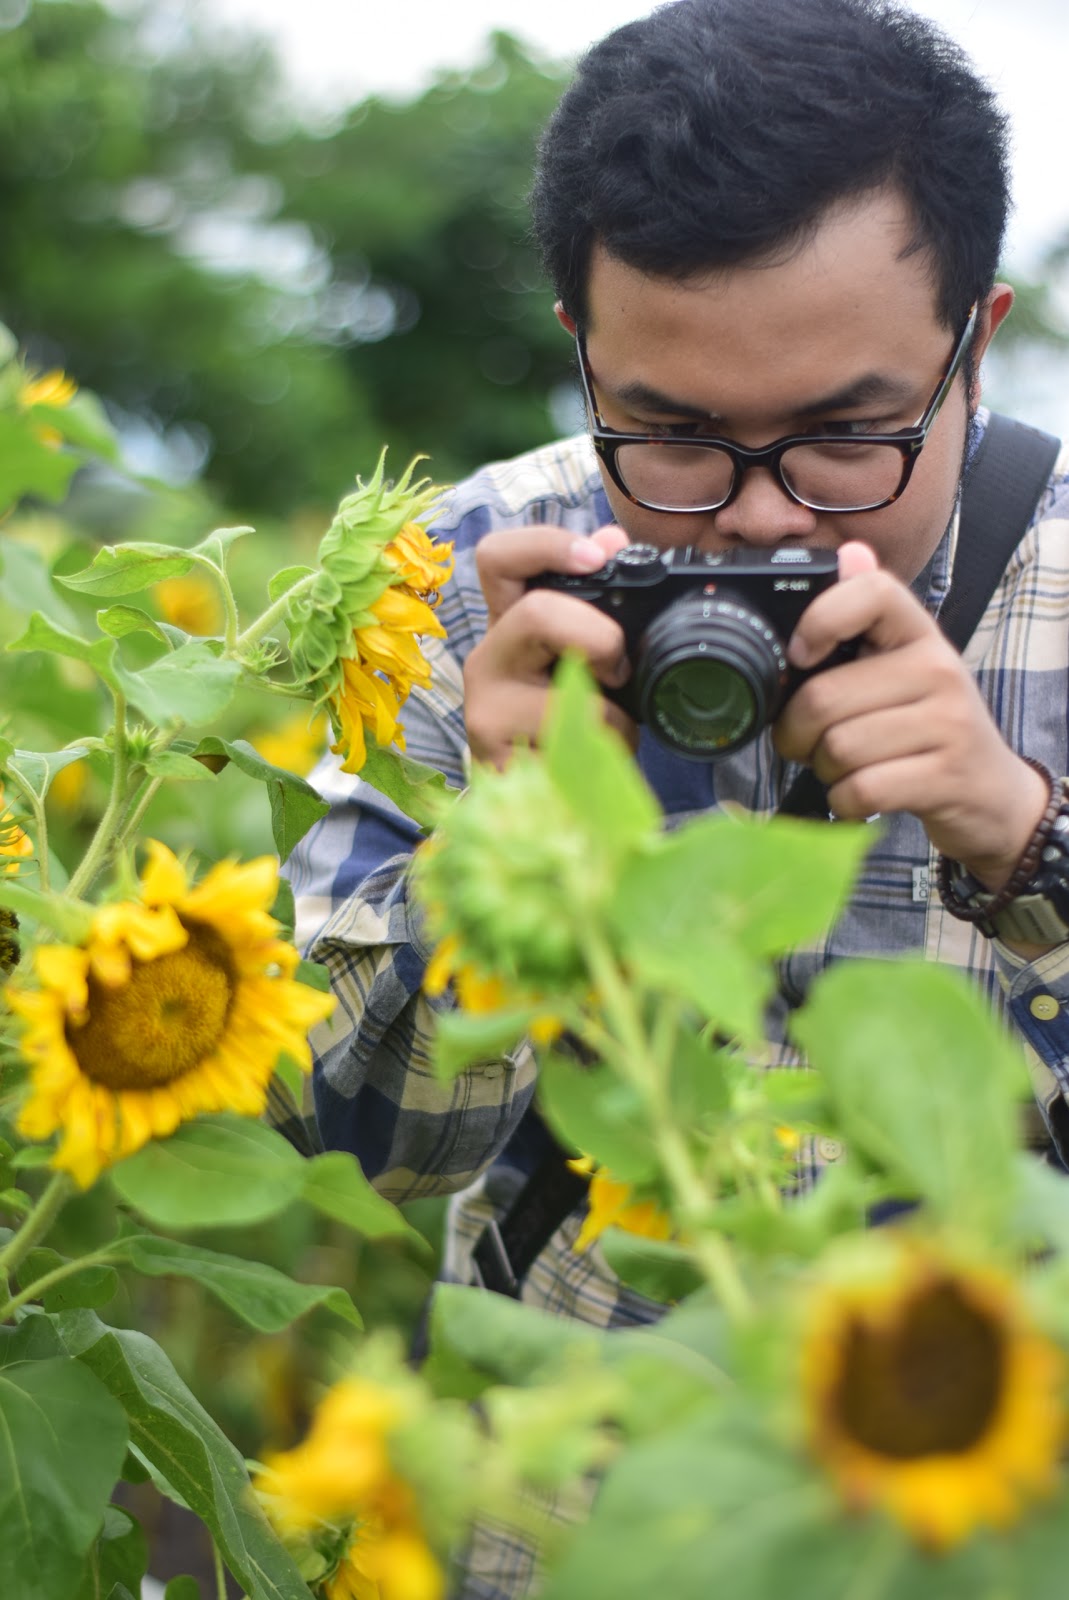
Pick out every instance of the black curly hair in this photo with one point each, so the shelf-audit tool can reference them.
(718, 131)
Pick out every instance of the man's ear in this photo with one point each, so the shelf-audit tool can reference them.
(566, 322)
(993, 312)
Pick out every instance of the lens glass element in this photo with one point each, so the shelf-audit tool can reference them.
(703, 704)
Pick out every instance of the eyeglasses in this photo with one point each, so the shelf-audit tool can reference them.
(824, 471)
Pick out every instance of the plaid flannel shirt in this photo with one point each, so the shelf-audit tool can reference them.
(376, 1093)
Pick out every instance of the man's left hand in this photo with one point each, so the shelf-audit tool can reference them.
(903, 727)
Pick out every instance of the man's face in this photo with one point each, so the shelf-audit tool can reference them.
(843, 329)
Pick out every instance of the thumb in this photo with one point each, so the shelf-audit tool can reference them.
(856, 558)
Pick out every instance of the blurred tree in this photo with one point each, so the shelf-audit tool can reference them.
(266, 302)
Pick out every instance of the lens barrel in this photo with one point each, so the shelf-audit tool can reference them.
(710, 675)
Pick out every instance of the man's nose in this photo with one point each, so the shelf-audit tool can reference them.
(762, 513)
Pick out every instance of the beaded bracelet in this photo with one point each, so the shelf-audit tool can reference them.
(1022, 873)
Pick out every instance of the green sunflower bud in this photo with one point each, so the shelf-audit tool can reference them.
(514, 876)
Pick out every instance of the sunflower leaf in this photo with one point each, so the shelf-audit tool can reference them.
(260, 1295)
(190, 1459)
(41, 634)
(421, 792)
(192, 684)
(215, 1172)
(69, 919)
(336, 1187)
(923, 1082)
(295, 805)
(63, 1442)
(118, 1560)
(129, 568)
(39, 767)
(121, 620)
(588, 1108)
(287, 579)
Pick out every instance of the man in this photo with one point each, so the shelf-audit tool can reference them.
(763, 219)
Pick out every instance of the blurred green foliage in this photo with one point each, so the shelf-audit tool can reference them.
(267, 301)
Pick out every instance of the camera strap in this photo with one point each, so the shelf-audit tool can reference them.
(1001, 491)
(1003, 486)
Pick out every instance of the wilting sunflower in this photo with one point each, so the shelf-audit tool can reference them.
(341, 1476)
(929, 1394)
(386, 664)
(612, 1204)
(355, 630)
(177, 1003)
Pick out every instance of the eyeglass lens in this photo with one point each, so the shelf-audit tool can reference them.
(677, 476)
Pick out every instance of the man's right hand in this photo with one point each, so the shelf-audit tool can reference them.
(507, 676)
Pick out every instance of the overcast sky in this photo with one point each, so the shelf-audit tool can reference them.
(342, 50)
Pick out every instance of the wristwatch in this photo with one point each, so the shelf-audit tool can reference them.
(1033, 907)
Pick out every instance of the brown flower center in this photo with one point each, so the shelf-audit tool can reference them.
(927, 1385)
(163, 1022)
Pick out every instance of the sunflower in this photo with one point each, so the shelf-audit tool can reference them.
(930, 1395)
(612, 1204)
(177, 1003)
(386, 661)
(342, 1475)
(481, 994)
(50, 389)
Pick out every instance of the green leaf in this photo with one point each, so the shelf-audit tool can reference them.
(591, 1110)
(336, 1186)
(118, 621)
(286, 579)
(62, 1442)
(922, 1080)
(41, 634)
(464, 1039)
(192, 684)
(284, 913)
(260, 1295)
(314, 975)
(26, 584)
(83, 423)
(69, 919)
(190, 1458)
(216, 546)
(39, 767)
(33, 1339)
(92, 1286)
(174, 765)
(295, 805)
(28, 465)
(128, 568)
(657, 1268)
(119, 1557)
(419, 791)
(182, 1588)
(220, 1171)
(507, 1341)
(590, 764)
(702, 911)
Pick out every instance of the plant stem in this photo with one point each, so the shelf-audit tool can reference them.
(40, 1286)
(103, 841)
(274, 613)
(220, 1573)
(39, 1221)
(40, 824)
(647, 1071)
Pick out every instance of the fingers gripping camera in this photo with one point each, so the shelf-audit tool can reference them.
(706, 637)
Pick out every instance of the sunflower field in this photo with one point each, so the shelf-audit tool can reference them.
(198, 1313)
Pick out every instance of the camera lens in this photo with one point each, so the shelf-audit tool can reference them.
(709, 676)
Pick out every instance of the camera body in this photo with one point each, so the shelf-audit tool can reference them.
(706, 636)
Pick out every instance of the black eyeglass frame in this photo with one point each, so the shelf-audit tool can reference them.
(910, 441)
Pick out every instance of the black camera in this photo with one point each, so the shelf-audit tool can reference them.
(706, 637)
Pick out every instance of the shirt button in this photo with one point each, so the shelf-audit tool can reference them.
(1045, 1007)
(829, 1149)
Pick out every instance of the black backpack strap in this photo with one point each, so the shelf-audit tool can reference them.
(1003, 486)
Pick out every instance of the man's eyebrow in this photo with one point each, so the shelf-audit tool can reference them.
(874, 388)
